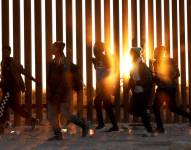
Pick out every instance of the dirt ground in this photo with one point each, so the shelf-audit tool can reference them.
(129, 138)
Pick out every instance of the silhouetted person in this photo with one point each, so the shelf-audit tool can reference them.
(140, 83)
(166, 75)
(12, 85)
(103, 90)
(60, 88)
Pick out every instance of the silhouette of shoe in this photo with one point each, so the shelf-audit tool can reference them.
(57, 135)
(56, 138)
(112, 129)
(101, 126)
(160, 130)
(149, 134)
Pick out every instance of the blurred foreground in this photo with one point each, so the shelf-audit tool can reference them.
(178, 136)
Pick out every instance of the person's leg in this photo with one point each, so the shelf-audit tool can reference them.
(181, 112)
(156, 110)
(173, 106)
(17, 108)
(3, 120)
(110, 112)
(146, 121)
(175, 109)
(53, 114)
(74, 119)
(98, 107)
(4, 111)
(141, 103)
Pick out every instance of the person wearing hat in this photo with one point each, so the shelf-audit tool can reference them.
(140, 83)
(59, 87)
(103, 91)
(166, 74)
(12, 85)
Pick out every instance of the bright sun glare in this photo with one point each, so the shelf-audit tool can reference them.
(127, 65)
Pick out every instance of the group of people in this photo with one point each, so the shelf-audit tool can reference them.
(63, 77)
(151, 88)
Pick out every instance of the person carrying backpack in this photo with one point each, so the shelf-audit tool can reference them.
(140, 84)
(59, 86)
(166, 74)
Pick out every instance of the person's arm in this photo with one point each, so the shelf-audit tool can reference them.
(94, 61)
(26, 73)
(48, 87)
(176, 72)
(131, 83)
(48, 73)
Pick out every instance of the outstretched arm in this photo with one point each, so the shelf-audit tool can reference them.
(27, 74)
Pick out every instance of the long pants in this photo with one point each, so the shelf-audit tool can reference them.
(106, 100)
(138, 107)
(13, 103)
(56, 110)
(169, 96)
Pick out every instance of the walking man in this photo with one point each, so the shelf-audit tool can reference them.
(166, 74)
(103, 90)
(12, 85)
(140, 84)
(60, 88)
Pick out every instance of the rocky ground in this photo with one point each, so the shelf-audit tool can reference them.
(178, 136)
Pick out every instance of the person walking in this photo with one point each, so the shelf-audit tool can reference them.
(103, 88)
(60, 87)
(12, 85)
(140, 84)
(166, 74)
